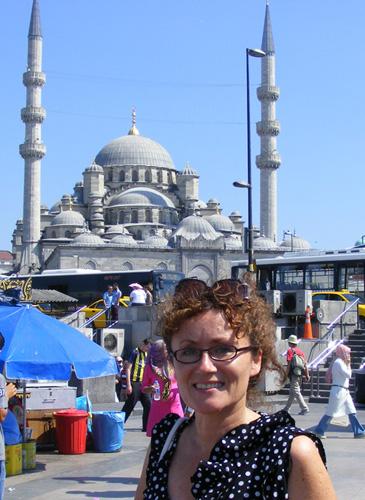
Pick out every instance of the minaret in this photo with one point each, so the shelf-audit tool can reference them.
(268, 161)
(33, 149)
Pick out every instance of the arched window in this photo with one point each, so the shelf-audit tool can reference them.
(148, 215)
(148, 176)
(134, 216)
(90, 265)
(162, 265)
(159, 176)
(161, 217)
(67, 234)
(169, 177)
(139, 235)
(53, 235)
(121, 218)
(121, 176)
(110, 175)
(127, 266)
(135, 176)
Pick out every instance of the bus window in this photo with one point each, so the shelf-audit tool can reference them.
(351, 278)
(289, 278)
(320, 276)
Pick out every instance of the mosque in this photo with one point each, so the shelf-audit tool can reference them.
(133, 208)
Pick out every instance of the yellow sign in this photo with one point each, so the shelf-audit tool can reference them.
(25, 285)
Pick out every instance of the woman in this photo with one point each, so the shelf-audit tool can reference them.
(220, 342)
(165, 397)
(340, 401)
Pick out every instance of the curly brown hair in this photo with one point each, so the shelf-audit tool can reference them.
(245, 311)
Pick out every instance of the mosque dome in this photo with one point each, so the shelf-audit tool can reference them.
(88, 238)
(155, 241)
(134, 150)
(188, 170)
(220, 222)
(68, 218)
(295, 243)
(116, 230)
(199, 204)
(125, 240)
(94, 167)
(233, 243)
(141, 197)
(193, 226)
(264, 243)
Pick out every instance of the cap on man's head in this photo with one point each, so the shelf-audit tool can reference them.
(293, 339)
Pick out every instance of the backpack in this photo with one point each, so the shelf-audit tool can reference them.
(297, 364)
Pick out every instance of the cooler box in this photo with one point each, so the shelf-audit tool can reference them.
(108, 430)
(71, 426)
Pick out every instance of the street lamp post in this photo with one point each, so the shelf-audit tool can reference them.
(288, 233)
(248, 184)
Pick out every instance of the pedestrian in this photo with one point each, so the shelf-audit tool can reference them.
(108, 302)
(296, 370)
(220, 343)
(159, 381)
(340, 401)
(138, 295)
(117, 294)
(135, 369)
(118, 379)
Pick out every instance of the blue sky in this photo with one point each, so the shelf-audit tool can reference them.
(181, 64)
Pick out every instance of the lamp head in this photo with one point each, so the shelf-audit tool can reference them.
(241, 184)
(256, 52)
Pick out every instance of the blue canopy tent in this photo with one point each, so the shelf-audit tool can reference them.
(39, 347)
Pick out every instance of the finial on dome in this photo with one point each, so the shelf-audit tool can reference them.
(133, 130)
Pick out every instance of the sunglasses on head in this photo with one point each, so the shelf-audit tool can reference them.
(222, 288)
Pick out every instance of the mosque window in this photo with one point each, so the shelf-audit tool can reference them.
(90, 265)
(159, 176)
(110, 175)
(134, 216)
(161, 217)
(53, 235)
(127, 266)
(148, 176)
(68, 234)
(169, 177)
(135, 176)
(162, 265)
(148, 215)
(122, 176)
(121, 218)
(139, 235)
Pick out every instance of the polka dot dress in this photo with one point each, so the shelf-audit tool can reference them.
(251, 461)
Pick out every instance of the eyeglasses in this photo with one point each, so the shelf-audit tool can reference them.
(189, 355)
(221, 289)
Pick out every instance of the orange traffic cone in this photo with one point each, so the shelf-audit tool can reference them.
(308, 324)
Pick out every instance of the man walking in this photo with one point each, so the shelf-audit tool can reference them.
(297, 368)
(117, 294)
(135, 369)
(108, 302)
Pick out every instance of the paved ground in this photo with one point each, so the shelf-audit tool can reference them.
(115, 475)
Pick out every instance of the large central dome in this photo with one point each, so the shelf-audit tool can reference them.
(134, 150)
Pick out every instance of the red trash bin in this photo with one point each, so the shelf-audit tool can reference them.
(71, 426)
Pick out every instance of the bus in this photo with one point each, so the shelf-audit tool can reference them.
(89, 285)
(314, 270)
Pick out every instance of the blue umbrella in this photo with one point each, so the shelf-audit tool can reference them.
(39, 347)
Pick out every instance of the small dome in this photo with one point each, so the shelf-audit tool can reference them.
(68, 218)
(134, 150)
(197, 205)
(155, 241)
(233, 243)
(213, 201)
(194, 226)
(116, 230)
(125, 240)
(295, 243)
(265, 244)
(141, 197)
(88, 238)
(220, 222)
(56, 207)
(188, 170)
(95, 168)
(235, 214)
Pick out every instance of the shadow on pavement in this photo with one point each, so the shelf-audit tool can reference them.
(96, 479)
(103, 494)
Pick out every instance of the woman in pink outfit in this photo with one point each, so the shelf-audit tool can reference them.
(167, 399)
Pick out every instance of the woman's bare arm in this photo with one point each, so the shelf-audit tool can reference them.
(308, 479)
(142, 480)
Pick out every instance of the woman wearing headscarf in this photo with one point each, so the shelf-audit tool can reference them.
(340, 401)
(159, 381)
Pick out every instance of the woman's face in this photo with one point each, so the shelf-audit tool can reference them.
(213, 386)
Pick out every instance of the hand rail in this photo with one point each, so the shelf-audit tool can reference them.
(90, 320)
(69, 316)
(331, 328)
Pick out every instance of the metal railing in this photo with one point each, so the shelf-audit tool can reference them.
(99, 313)
(69, 318)
(320, 359)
